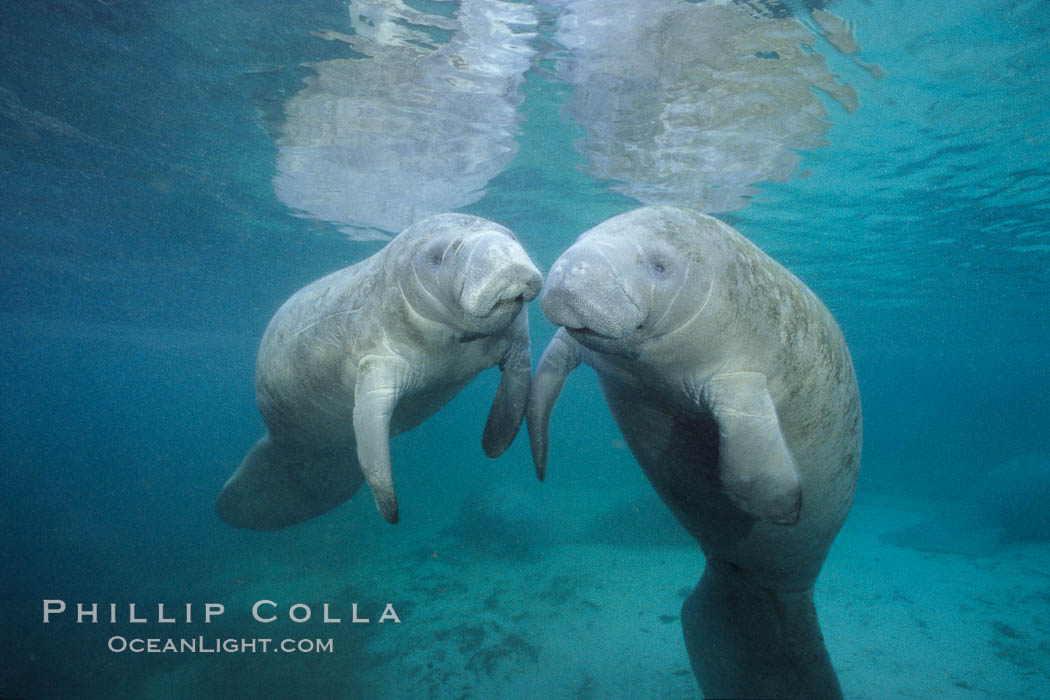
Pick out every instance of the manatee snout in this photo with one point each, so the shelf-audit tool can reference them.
(499, 275)
(586, 293)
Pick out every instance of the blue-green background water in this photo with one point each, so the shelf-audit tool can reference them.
(143, 252)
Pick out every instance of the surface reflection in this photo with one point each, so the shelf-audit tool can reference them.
(417, 122)
(681, 102)
(691, 104)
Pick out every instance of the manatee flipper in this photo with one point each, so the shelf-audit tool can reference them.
(953, 533)
(756, 467)
(277, 485)
(560, 358)
(747, 641)
(508, 406)
(380, 383)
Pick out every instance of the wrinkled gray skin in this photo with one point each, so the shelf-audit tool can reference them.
(375, 349)
(734, 389)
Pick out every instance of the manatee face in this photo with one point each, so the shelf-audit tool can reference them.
(624, 283)
(470, 274)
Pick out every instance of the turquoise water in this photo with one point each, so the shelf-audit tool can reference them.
(148, 238)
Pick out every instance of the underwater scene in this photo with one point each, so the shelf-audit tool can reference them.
(525, 349)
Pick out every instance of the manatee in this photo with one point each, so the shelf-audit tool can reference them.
(734, 389)
(1009, 503)
(503, 522)
(375, 349)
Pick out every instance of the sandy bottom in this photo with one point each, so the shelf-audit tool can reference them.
(589, 620)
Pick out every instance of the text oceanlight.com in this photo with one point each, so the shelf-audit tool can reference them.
(203, 645)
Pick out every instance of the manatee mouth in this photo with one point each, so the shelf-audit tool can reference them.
(520, 299)
(592, 307)
(503, 287)
(502, 304)
(588, 337)
(587, 333)
(622, 345)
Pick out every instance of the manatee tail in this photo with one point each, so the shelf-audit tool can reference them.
(745, 641)
(277, 486)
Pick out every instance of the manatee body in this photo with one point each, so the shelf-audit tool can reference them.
(1006, 504)
(503, 522)
(375, 349)
(733, 387)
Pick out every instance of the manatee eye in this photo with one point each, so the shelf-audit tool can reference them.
(660, 266)
(433, 255)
